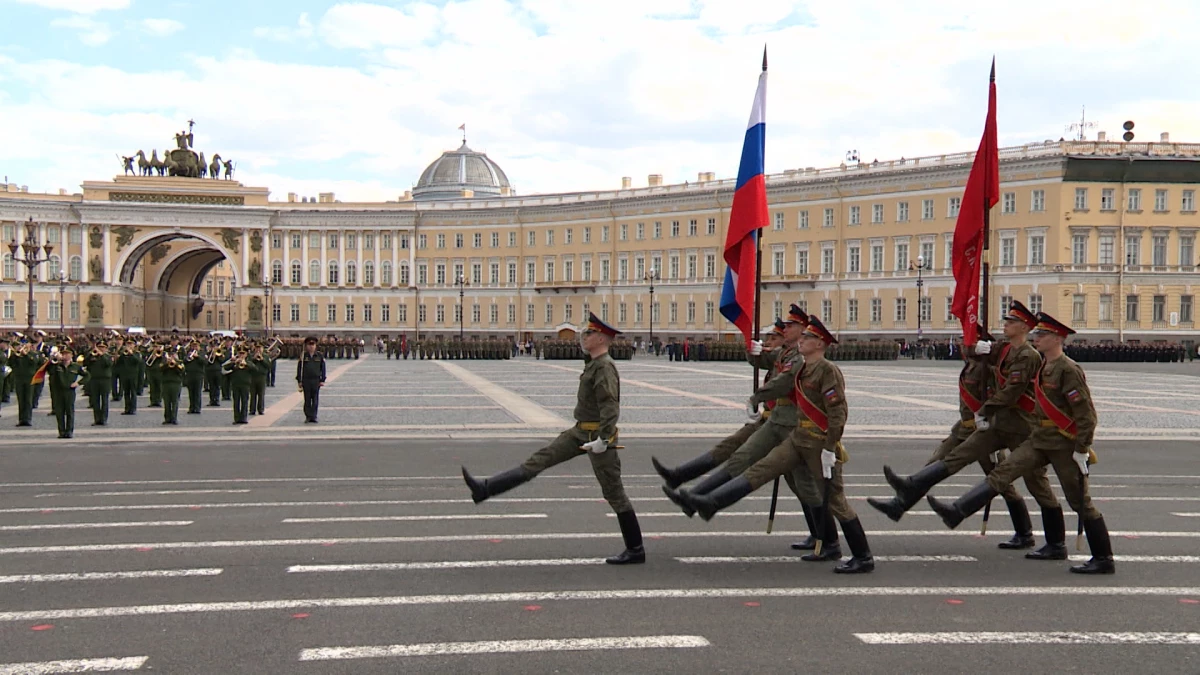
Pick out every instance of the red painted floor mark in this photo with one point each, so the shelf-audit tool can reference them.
(1131, 536)
(656, 538)
(143, 549)
(954, 601)
(328, 543)
(47, 510)
(194, 508)
(752, 604)
(43, 626)
(495, 541)
(301, 615)
(532, 608)
(166, 461)
(1189, 601)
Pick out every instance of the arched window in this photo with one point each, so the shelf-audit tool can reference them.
(404, 274)
(54, 267)
(385, 273)
(76, 273)
(351, 274)
(314, 273)
(277, 271)
(333, 273)
(297, 270)
(10, 267)
(368, 273)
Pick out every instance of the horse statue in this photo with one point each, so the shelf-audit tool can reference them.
(214, 169)
(144, 165)
(157, 164)
(229, 170)
(203, 168)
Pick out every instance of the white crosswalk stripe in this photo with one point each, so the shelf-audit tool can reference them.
(104, 665)
(108, 576)
(505, 647)
(93, 526)
(378, 519)
(1029, 638)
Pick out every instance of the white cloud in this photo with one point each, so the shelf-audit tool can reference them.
(160, 27)
(302, 30)
(91, 32)
(79, 6)
(570, 95)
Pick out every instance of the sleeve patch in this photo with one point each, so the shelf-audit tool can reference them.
(1074, 396)
(832, 395)
(1015, 375)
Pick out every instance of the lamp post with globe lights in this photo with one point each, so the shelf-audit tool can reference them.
(33, 258)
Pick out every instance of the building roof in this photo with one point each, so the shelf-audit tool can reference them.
(459, 170)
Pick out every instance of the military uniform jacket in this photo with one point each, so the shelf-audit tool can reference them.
(783, 366)
(98, 367)
(170, 374)
(599, 396)
(974, 381)
(194, 369)
(823, 410)
(1064, 399)
(311, 368)
(1011, 403)
(63, 375)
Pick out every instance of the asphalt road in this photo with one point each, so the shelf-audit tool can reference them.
(223, 553)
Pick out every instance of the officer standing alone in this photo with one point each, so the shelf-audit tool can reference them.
(310, 377)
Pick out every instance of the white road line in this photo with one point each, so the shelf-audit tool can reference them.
(1187, 515)
(505, 647)
(518, 406)
(721, 560)
(107, 665)
(93, 526)
(135, 493)
(374, 519)
(445, 565)
(593, 595)
(1056, 638)
(334, 541)
(106, 576)
(1148, 558)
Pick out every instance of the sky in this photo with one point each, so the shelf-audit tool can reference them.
(356, 98)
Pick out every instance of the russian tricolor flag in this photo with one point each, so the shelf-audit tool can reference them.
(747, 216)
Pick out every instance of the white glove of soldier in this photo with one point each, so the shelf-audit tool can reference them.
(752, 413)
(1081, 458)
(981, 422)
(828, 461)
(596, 447)
(983, 347)
(756, 347)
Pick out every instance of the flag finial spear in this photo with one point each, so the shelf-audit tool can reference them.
(764, 58)
(993, 75)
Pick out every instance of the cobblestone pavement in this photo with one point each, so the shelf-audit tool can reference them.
(374, 397)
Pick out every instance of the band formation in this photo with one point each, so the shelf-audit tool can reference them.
(1024, 405)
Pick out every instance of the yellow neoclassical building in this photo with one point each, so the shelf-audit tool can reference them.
(1101, 234)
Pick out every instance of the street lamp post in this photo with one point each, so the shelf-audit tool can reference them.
(269, 307)
(62, 287)
(651, 276)
(31, 260)
(461, 282)
(920, 267)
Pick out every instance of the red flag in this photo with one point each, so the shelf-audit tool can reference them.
(40, 376)
(981, 194)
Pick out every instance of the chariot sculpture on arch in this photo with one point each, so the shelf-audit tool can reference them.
(182, 162)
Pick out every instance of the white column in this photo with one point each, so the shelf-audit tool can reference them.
(245, 281)
(324, 258)
(378, 240)
(85, 274)
(358, 236)
(412, 260)
(287, 259)
(304, 258)
(396, 258)
(341, 258)
(106, 243)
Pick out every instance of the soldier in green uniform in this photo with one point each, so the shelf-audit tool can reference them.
(126, 370)
(64, 375)
(258, 380)
(170, 376)
(974, 382)
(239, 371)
(213, 375)
(5, 369)
(1004, 420)
(25, 362)
(194, 364)
(99, 367)
(226, 382)
(154, 376)
(1062, 438)
(814, 450)
(597, 410)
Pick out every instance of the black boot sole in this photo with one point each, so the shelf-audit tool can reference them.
(888, 507)
(828, 554)
(806, 545)
(856, 566)
(1059, 553)
(627, 558)
(1017, 543)
(1095, 567)
(478, 488)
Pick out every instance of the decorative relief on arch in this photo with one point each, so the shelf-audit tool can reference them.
(256, 241)
(230, 239)
(212, 200)
(158, 253)
(124, 235)
(96, 237)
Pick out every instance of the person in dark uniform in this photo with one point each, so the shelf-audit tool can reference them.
(64, 374)
(597, 409)
(310, 377)
(99, 382)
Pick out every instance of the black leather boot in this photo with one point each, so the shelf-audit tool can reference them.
(490, 487)
(910, 490)
(676, 497)
(892, 508)
(710, 483)
(1022, 526)
(727, 495)
(631, 532)
(830, 548)
(953, 514)
(1101, 545)
(810, 542)
(689, 470)
(861, 560)
(1056, 536)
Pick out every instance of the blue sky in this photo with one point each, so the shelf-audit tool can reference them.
(357, 97)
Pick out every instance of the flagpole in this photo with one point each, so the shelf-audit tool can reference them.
(986, 296)
(757, 331)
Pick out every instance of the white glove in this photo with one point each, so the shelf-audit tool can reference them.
(983, 347)
(981, 422)
(828, 461)
(596, 447)
(756, 347)
(995, 457)
(1081, 458)
(752, 413)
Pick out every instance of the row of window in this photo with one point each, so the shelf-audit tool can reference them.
(1106, 251)
(53, 267)
(54, 310)
(53, 234)
(1133, 200)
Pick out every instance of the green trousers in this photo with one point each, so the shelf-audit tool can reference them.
(606, 465)
(64, 411)
(979, 446)
(1026, 459)
(801, 453)
(170, 400)
(759, 445)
